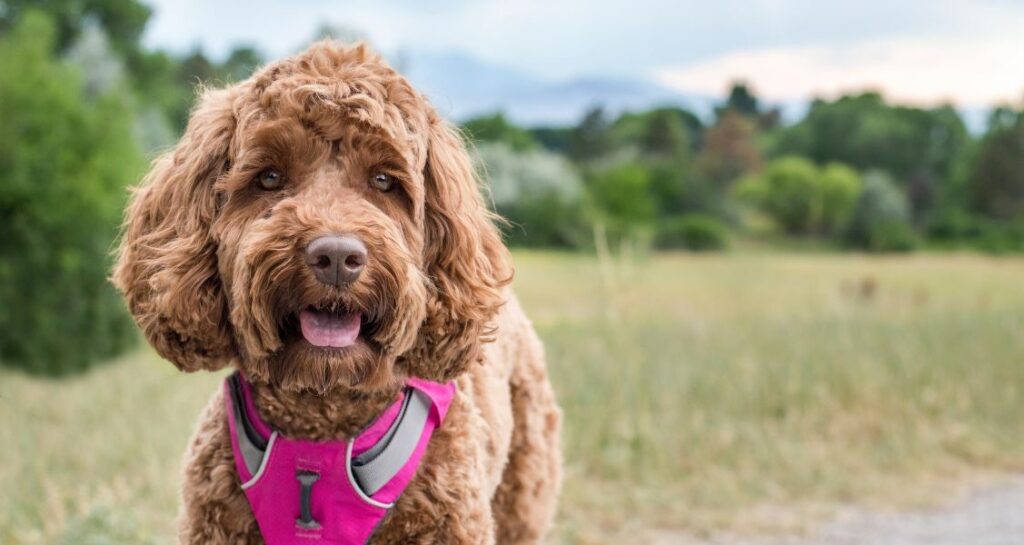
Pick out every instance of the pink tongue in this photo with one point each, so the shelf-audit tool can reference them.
(329, 328)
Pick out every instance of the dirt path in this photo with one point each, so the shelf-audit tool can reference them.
(990, 516)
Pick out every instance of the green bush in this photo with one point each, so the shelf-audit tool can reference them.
(64, 163)
(698, 232)
(957, 228)
(881, 218)
(623, 199)
(802, 198)
(839, 188)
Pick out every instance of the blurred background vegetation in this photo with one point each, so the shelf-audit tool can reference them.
(85, 105)
(791, 365)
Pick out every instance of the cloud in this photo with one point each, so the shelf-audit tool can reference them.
(561, 39)
(967, 71)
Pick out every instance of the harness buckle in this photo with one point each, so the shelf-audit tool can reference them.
(306, 479)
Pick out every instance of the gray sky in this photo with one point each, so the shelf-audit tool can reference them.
(926, 51)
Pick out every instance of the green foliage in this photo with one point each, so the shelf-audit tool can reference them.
(698, 232)
(740, 100)
(839, 187)
(802, 198)
(539, 193)
(956, 228)
(791, 193)
(866, 133)
(881, 217)
(591, 139)
(995, 186)
(623, 198)
(495, 128)
(122, 20)
(65, 160)
(554, 139)
(241, 63)
(678, 188)
(665, 136)
(668, 186)
(661, 132)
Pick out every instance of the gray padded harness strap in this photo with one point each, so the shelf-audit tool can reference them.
(376, 467)
(249, 441)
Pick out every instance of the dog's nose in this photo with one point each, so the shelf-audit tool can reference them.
(336, 259)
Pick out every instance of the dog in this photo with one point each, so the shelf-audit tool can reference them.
(319, 229)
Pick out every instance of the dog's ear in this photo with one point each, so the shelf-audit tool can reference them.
(167, 265)
(464, 259)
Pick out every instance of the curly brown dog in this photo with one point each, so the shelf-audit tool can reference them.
(319, 228)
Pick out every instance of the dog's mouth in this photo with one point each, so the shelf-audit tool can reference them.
(330, 327)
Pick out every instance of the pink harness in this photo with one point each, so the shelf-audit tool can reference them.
(331, 492)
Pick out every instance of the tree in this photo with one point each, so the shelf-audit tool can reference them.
(881, 218)
(741, 100)
(197, 68)
(554, 139)
(729, 150)
(866, 133)
(241, 63)
(802, 198)
(496, 128)
(122, 20)
(839, 187)
(996, 182)
(65, 159)
(591, 138)
(623, 198)
(665, 137)
(635, 129)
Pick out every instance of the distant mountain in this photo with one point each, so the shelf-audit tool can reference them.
(463, 86)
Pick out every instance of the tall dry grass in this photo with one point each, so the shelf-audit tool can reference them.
(700, 392)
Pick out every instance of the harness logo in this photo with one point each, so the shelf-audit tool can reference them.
(306, 480)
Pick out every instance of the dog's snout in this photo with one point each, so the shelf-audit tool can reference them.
(336, 259)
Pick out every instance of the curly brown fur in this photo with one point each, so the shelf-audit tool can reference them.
(212, 267)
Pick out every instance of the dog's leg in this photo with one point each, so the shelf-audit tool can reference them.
(525, 502)
(215, 508)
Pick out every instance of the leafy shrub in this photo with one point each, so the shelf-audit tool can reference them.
(802, 198)
(791, 193)
(623, 199)
(65, 160)
(881, 218)
(538, 192)
(698, 232)
(958, 228)
(839, 187)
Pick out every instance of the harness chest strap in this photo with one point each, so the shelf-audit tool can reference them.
(331, 492)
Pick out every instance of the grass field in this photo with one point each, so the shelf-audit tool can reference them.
(739, 391)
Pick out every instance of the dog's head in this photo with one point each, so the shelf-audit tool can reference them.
(319, 225)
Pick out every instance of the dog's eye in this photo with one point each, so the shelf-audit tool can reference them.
(270, 179)
(382, 182)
